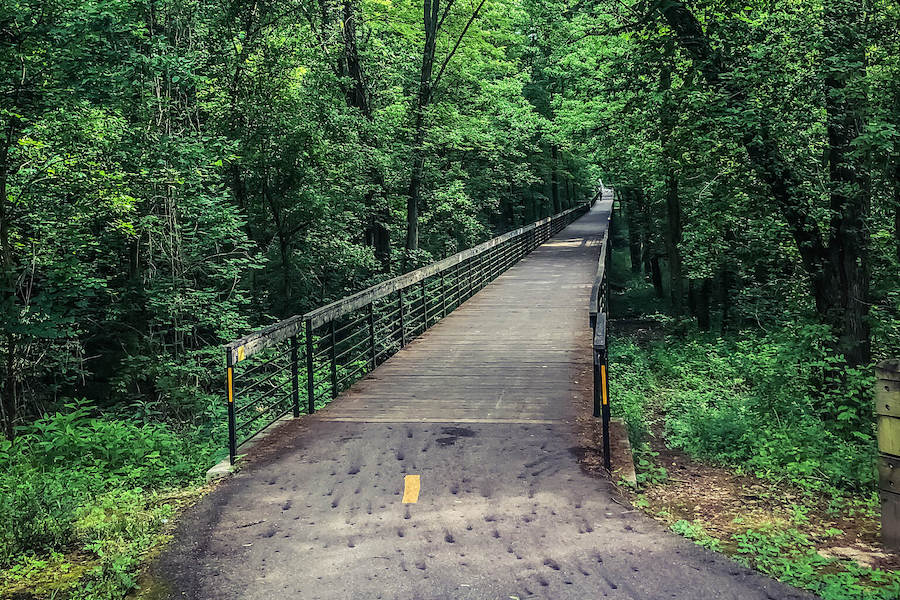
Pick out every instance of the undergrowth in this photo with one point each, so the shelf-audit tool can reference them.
(751, 403)
(86, 496)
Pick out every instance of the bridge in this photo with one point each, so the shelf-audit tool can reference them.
(446, 461)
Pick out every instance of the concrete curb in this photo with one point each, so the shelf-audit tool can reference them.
(625, 471)
(224, 468)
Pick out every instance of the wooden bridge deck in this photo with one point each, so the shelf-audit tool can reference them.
(451, 471)
(513, 353)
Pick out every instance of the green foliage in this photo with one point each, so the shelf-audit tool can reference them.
(695, 531)
(77, 480)
(762, 402)
(176, 173)
(791, 557)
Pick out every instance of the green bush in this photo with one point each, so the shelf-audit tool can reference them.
(57, 470)
(776, 404)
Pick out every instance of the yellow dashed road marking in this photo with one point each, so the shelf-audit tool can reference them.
(411, 489)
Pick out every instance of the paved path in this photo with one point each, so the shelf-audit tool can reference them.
(482, 408)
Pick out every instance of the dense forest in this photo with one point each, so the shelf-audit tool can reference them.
(176, 173)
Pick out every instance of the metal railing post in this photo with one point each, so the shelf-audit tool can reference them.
(601, 383)
(601, 399)
(333, 358)
(229, 391)
(604, 389)
(402, 326)
(443, 296)
(310, 381)
(295, 378)
(372, 332)
(424, 307)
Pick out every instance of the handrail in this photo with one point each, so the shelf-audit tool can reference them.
(336, 344)
(599, 309)
(343, 306)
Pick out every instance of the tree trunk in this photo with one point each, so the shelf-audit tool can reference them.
(725, 297)
(634, 229)
(9, 403)
(672, 235)
(357, 94)
(897, 208)
(673, 238)
(691, 299)
(554, 179)
(644, 228)
(656, 275)
(702, 297)
(849, 234)
(431, 8)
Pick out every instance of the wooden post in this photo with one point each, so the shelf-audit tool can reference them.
(887, 407)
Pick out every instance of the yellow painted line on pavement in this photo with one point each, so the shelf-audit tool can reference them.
(411, 489)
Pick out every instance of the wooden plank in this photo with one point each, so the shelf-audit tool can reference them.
(360, 299)
(479, 364)
(889, 435)
(597, 286)
(888, 369)
(887, 397)
(247, 346)
(600, 333)
(889, 473)
(440, 420)
(890, 520)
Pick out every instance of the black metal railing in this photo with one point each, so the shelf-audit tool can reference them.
(330, 348)
(599, 312)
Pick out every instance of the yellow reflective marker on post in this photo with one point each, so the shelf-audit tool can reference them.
(411, 489)
(603, 384)
(230, 384)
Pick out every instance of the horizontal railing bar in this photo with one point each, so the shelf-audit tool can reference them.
(259, 381)
(265, 410)
(353, 347)
(351, 323)
(388, 315)
(387, 327)
(360, 299)
(243, 348)
(257, 432)
(363, 329)
(352, 373)
(268, 393)
(241, 375)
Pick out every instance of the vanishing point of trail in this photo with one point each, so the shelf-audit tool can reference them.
(451, 471)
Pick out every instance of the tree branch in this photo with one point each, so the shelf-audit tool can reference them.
(455, 47)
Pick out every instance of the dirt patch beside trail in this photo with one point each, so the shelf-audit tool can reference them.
(725, 503)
